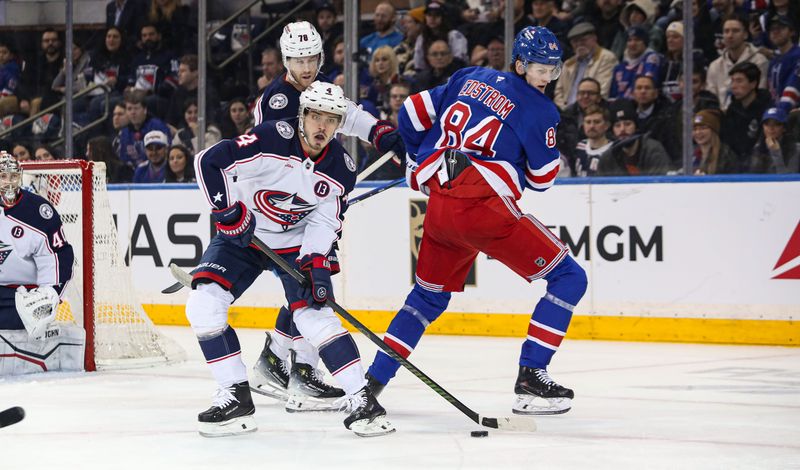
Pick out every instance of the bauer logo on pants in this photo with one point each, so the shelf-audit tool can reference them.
(417, 208)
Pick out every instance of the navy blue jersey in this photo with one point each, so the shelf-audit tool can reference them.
(506, 126)
(297, 201)
(33, 249)
(280, 100)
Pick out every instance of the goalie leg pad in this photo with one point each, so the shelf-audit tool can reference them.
(61, 349)
(337, 349)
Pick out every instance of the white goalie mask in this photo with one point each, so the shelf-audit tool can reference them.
(301, 39)
(325, 97)
(10, 178)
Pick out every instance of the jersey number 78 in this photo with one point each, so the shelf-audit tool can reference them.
(479, 138)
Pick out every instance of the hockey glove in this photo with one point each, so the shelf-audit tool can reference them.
(236, 224)
(36, 308)
(384, 137)
(317, 269)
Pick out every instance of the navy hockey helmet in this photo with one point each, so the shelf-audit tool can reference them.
(10, 178)
(539, 45)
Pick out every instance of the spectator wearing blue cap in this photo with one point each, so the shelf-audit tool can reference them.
(776, 151)
(638, 60)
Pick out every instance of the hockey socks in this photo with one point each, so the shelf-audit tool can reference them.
(282, 339)
(224, 355)
(566, 284)
(421, 308)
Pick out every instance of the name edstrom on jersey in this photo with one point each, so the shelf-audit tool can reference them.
(507, 127)
(297, 202)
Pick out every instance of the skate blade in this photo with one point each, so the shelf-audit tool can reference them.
(305, 403)
(537, 406)
(269, 391)
(379, 426)
(232, 427)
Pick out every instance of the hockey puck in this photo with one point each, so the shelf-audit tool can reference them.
(479, 434)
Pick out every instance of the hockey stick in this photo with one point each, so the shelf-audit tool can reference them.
(375, 191)
(180, 274)
(374, 166)
(11, 416)
(512, 423)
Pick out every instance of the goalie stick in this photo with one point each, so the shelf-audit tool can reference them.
(512, 423)
(11, 416)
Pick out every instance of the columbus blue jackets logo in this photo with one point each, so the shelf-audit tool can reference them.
(284, 129)
(278, 101)
(5, 250)
(282, 208)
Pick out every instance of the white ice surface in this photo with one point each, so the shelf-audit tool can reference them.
(638, 405)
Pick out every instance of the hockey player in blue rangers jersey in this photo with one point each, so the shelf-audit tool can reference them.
(286, 182)
(301, 48)
(478, 141)
(35, 266)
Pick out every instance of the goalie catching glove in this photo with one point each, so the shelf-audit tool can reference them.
(236, 224)
(384, 137)
(317, 269)
(36, 308)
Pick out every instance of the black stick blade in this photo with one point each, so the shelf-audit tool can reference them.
(11, 416)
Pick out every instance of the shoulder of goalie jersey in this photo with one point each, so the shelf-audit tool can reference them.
(36, 211)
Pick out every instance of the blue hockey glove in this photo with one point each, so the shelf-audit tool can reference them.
(317, 269)
(236, 224)
(384, 137)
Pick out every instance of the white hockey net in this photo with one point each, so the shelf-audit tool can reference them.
(100, 297)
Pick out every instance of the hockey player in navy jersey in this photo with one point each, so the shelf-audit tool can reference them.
(286, 182)
(301, 48)
(478, 141)
(36, 263)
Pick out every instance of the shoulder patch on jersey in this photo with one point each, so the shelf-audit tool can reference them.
(46, 211)
(278, 101)
(284, 129)
(351, 164)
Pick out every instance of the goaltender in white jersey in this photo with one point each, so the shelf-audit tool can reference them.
(35, 266)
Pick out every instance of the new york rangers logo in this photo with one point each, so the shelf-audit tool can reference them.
(282, 208)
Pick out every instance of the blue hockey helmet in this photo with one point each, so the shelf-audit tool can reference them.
(538, 44)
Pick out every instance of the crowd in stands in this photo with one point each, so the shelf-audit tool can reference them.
(620, 92)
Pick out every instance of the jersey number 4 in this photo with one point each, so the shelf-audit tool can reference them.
(479, 138)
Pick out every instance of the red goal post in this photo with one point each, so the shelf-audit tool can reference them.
(101, 296)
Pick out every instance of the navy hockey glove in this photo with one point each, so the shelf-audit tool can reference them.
(236, 224)
(384, 137)
(317, 269)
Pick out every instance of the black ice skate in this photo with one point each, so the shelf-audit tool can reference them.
(367, 417)
(270, 374)
(373, 385)
(308, 392)
(231, 412)
(538, 394)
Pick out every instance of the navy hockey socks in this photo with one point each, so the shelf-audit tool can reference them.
(421, 308)
(566, 284)
(224, 355)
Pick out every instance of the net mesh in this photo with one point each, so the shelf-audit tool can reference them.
(124, 334)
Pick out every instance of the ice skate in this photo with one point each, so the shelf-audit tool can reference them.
(308, 392)
(270, 374)
(538, 394)
(367, 417)
(231, 413)
(373, 385)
